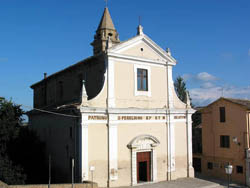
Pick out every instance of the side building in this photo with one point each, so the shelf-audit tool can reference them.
(116, 113)
(225, 139)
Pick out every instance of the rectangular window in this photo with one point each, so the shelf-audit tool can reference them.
(224, 141)
(210, 165)
(239, 169)
(142, 80)
(222, 114)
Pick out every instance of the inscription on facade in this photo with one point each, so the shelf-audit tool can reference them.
(179, 117)
(97, 118)
(133, 118)
(141, 117)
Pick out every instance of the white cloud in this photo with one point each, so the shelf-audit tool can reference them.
(187, 76)
(207, 85)
(204, 76)
(204, 96)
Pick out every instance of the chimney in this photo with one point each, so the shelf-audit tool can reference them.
(45, 75)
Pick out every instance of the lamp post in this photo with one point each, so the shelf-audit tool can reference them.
(229, 170)
(92, 169)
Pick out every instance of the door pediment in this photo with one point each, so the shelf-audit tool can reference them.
(143, 142)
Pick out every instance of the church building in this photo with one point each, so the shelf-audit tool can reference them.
(116, 114)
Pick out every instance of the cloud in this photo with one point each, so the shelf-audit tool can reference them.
(200, 77)
(207, 85)
(204, 76)
(204, 95)
(187, 76)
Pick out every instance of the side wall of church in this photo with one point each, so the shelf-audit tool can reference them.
(65, 87)
(60, 135)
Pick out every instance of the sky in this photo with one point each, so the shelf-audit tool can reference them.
(210, 39)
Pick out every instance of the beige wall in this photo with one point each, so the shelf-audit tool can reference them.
(126, 132)
(147, 52)
(180, 151)
(125, 87)
(98, 152)
(212, 129)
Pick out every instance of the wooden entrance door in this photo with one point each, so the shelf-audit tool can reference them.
(143, 166)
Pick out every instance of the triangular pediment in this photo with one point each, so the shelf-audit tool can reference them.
(143, 47)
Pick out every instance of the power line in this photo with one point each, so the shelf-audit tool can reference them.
(49, 112)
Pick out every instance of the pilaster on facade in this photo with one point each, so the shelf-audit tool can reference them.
(111, 83)
(190, 170)
(171, 142)
(113, 148)
(170, 88)
(84, 148)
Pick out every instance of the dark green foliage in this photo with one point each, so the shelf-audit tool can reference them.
(180, 88)
(10, 173)
(21, 152)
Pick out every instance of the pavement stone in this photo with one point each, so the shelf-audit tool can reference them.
(180, 183)
(223, 183)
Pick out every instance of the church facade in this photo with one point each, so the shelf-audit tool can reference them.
(116, 113)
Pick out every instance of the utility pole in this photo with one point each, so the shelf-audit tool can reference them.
(49, 171)
(73, 172)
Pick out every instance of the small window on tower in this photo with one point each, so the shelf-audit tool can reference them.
(110, 34)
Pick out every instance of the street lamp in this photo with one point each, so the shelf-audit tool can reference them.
(229, 170)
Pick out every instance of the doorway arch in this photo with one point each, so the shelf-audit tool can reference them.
(143, 158)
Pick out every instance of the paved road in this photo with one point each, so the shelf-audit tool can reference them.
(223, 183)
(181, 183)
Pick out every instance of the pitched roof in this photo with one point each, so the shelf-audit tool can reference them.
(91, 59)
(106, 21)
(243, 102)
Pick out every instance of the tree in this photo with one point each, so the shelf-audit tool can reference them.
(180, 88)
(21, 151)
(10, 117)
(181, 91)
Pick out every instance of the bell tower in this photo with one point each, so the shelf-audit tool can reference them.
(105, 31)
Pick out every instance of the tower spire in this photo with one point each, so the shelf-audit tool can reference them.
(105, 30)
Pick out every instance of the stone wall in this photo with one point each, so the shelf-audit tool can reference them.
(77, 185)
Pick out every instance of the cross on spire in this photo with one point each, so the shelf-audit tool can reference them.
(106, 1)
